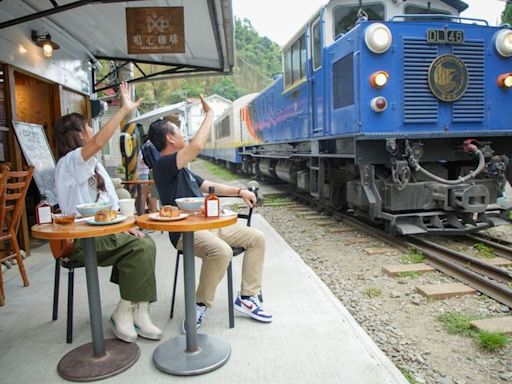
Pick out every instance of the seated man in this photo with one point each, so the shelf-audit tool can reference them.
(174, 180)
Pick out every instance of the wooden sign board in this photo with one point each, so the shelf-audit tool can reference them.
(155, 30)
(37, 152)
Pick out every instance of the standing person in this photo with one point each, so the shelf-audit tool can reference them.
(79, 179)
(143, 174)
(173, 181)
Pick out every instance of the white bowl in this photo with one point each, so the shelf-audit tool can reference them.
(190, 204)
(90, 209)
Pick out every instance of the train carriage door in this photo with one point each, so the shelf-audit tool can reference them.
(316, 79)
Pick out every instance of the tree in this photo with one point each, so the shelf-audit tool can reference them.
(506, 15)
(258, 60)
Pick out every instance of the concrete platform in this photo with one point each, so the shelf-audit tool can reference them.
(313, 338)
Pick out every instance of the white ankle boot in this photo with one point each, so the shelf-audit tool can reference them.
(143, 324)
(121, 322)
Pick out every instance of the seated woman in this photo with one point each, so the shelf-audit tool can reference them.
(80, 178)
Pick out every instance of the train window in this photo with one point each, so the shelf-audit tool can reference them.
(296, 61)
(222, 128)
(417, 10)
(345, 17)
(287, 67)
(317, 46)
(303, 58)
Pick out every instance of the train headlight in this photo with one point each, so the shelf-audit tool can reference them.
(378, 38)
(379, 103)
(379, 79)
(505, 80)
(503, 41)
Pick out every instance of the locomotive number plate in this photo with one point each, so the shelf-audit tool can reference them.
(445, 36)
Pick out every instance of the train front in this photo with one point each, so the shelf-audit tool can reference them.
(434, 132)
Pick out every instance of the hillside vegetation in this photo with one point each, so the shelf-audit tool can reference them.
(258, 60)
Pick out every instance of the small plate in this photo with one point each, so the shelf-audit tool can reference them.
(118, 219)
(156, 216)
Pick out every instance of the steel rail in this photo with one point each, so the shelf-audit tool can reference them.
(436, 256)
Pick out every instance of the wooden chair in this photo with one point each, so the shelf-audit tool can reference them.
(11, 207)
(4, 176)
(61, 250)
(236, 251)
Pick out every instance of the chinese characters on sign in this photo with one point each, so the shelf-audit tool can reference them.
(155, 30)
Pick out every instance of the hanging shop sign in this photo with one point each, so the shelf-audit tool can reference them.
(155, 30)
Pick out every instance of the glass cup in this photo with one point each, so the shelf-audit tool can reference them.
(127, 207)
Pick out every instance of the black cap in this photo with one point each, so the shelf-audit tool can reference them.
(211, 190)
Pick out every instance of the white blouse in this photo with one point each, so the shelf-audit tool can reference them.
(76, 184)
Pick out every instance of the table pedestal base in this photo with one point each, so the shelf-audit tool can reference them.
(81, 365)
(171, 357)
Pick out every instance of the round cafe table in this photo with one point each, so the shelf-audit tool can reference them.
(101, 358)
(191, 354)
(138, 185)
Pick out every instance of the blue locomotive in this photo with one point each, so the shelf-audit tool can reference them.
(396, 110)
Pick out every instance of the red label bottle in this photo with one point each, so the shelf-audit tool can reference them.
(43, 211)
(211, 204)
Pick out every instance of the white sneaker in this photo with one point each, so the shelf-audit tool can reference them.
(252, 307)
(200, 313)
(121, 322)
(143, 324)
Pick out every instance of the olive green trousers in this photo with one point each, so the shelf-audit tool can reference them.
(133, 263)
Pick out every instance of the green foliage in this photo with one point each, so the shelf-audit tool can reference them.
(457, 323)
(258, 60)
(484, 250)
(410, 274)
(408, 375)
(491, 341)
(506, 15)
(220, 172)
(414, 256)
(373, 292)
(460, 324)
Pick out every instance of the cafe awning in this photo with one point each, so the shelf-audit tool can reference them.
(109, 29)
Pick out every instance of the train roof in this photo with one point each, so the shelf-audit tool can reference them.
(458, 5)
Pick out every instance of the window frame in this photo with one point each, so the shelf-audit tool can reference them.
(383, 5)
(296, 51)
(316, 24)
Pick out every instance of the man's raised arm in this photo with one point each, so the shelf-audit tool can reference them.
(198, 142)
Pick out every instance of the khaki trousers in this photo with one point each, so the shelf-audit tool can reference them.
(214, 248)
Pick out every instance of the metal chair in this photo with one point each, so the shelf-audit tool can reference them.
(12, 202)
(61, 250)
(236, 251)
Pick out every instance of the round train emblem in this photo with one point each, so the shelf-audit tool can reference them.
(448, 78)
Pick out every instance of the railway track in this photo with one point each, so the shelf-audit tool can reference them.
(486, 278)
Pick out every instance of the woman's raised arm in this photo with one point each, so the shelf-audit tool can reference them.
(99, 140)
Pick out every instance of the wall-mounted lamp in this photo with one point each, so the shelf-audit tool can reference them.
(44, 40)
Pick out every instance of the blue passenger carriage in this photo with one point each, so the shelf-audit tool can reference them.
(397, 110)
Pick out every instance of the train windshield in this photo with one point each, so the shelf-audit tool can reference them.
(345, 16)
(418, 10)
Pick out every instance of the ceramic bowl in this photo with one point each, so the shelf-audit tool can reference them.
(90, 209)
(190, 204)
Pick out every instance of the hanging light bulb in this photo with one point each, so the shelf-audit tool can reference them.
(44, 40)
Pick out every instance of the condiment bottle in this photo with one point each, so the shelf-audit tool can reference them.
(211, 204)
(43, 211)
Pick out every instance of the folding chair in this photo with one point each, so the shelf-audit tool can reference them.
(61, 250)
(11, 207)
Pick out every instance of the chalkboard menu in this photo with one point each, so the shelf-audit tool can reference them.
(37, 152)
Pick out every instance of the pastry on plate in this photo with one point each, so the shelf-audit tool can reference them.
(105, 215)
(169, 211)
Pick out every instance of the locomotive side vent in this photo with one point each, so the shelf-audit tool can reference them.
(470, 107)
(420, 106)
(343, 82)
